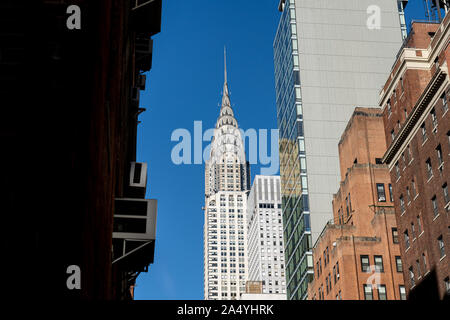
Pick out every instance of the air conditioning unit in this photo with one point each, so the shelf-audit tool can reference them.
(137, 180)
(135, 219)
(144, 50)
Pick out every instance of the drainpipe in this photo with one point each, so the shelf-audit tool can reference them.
(356, 266)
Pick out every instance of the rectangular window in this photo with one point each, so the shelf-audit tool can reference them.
(406, 236)
(334, 274)
(391, 196)
(394, 235)
(337, 271)
(444, 103)
(365, 263)
(441, 247)
(413, 188)
(368, 294)
(397, 170)
(413, 230)
(445, 193)
(429, 168)
(424, 132)
(419, 273)
(389, 108)
(379, 264)
(424, 261)
(433, 118)
(447, 285)
(411, 277)
(408, 195)
(402, 292)
(381, 193)
(382, 292)
(419, 225)
(439, 155)
(399, 264)
(434, 205)
(402, 203)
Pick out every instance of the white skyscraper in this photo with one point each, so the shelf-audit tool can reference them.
(227, 183)
(265, 235)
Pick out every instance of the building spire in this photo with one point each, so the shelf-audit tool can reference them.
(225, 61)
(225, 97)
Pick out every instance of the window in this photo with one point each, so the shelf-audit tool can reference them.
(365, 263)
(424, 260)
(445, 192)
(391, 196)
(406, 236)
(402, 292)
(429, 168)
(434, 205)
(399, 264)
(413, 230)
(419, 273)
(368, 294)
(419, 225)
(402, 203)
(424, 132)
(382, 292)
(337, 271)
(379, 264)
(334, 274)
(394, 235)
(444, 103)
(447, 285)
(397, 171)
(439, 155)
(441, 247)
(413, 188)
(408, 195)
(411, 277)
(381, 192)
(410, 157)
(389, 108)
(433, 118)
(392, 134)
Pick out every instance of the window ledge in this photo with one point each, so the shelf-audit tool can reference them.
(416, 197)
(429, 179)
(424, 141)
(414, 239)
(407, 249)
(443, 257)
(436, 216)
(421, 234)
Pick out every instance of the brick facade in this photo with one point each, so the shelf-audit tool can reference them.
(417, 128)
(363, 221)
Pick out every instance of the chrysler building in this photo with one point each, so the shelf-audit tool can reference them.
(227, 183)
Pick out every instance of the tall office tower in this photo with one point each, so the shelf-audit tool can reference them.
(227, 183)
(329, 57)
(265, 235)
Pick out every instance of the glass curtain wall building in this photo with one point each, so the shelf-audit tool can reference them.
(328, 59)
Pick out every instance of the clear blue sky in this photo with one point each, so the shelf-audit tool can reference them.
(185, 85)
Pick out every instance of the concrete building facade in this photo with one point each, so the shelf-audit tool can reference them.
(357, 256)
(417, 129)
(227, 184)
(266, 262)
(329, 56)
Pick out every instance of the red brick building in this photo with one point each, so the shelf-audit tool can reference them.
(417, 128)
(357, 255)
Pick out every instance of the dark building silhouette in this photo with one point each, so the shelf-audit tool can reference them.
(69, 107)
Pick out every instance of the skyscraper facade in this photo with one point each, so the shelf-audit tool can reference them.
(265, 235)
(227, 183)
(329, 57)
